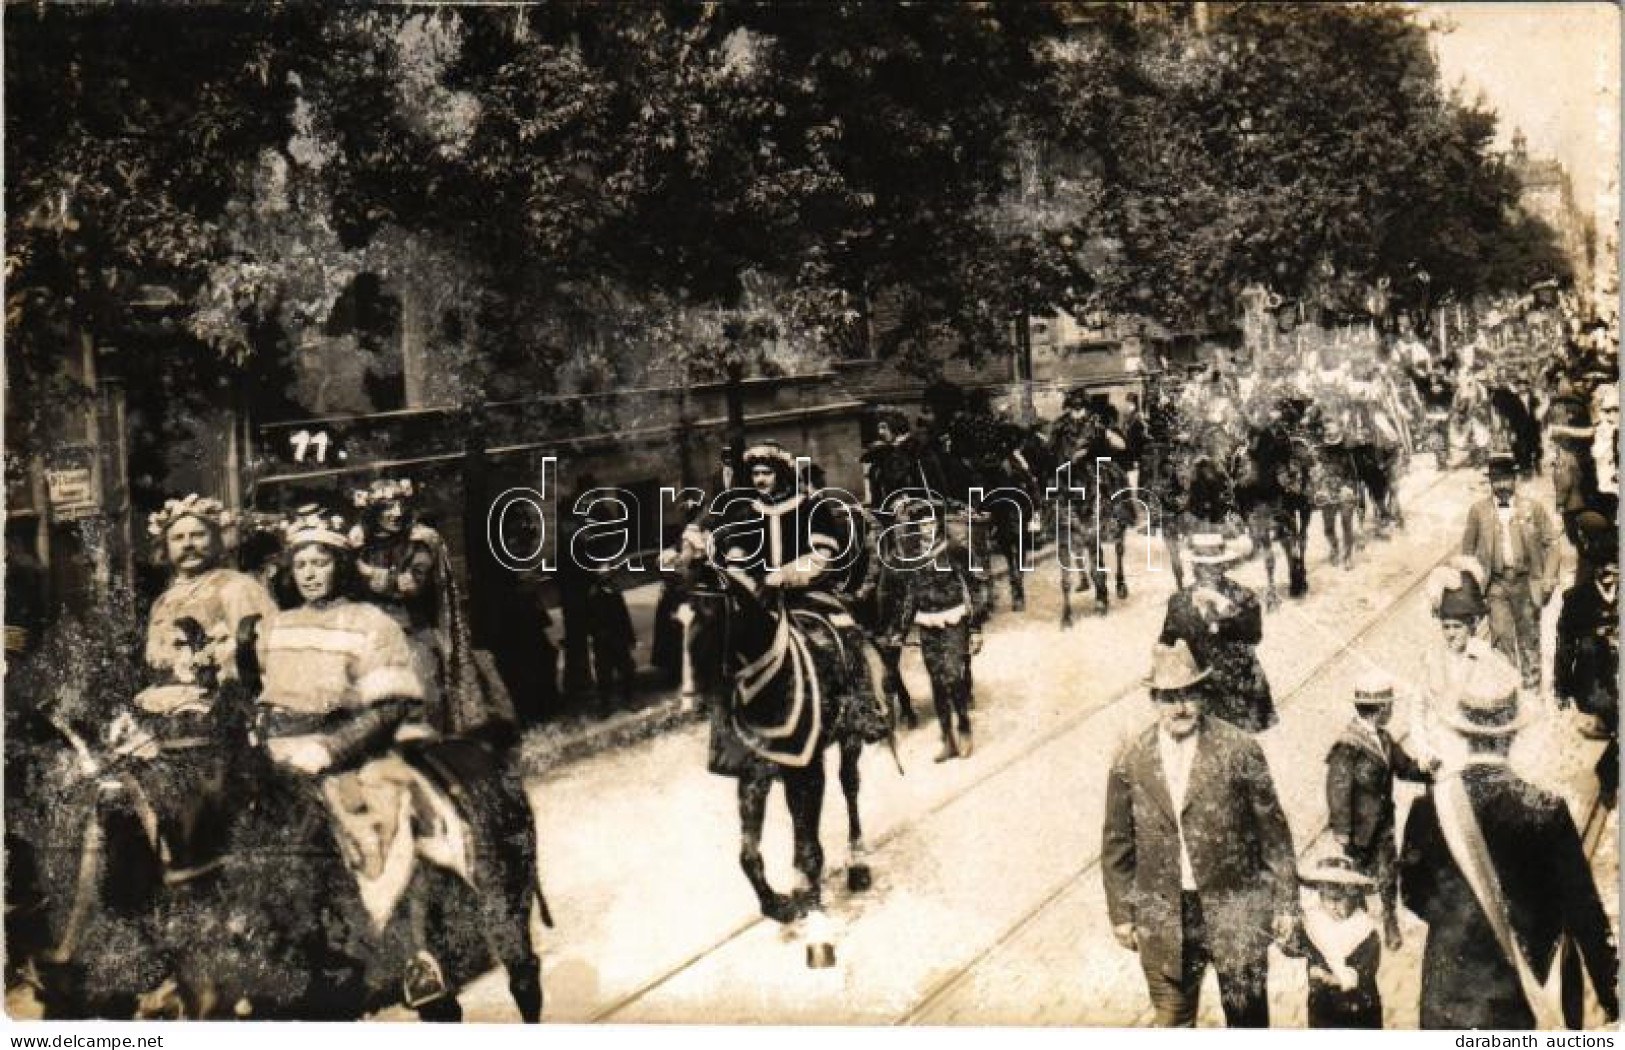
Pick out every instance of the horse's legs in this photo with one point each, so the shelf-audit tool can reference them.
(1009, 533)
(1263, 530)
(1097, 572)
(753, 791)
(804, 794)
(1066, 593)
(891, 658)
(1170, 543)
(858, 877)
(509, 885)
(1122, 583)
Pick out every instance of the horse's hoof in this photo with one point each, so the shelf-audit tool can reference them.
(780, 909)
(859, 879)
(1066, 623)
(1122, 589)
(1018, 605)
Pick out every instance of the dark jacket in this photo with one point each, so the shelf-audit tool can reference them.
(1236, 836)
(1360, 787)
(1329, 1005)
(1467, 981)
(1536, 534)
(1587, 664)
(1237, 690)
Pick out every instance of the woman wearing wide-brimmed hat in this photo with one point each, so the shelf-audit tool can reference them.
(1223, 622)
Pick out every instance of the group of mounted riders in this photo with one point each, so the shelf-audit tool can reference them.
(311, 809)
(308, 810)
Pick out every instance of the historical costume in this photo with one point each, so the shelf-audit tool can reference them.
(407, 572)
(784, 547)
(1360, 772)
(179, 723)
(1456, 597)
(1196, 854)
(940, 598)
(1335, 487)
(340, 694)
(1494, 865)
(1222, 622)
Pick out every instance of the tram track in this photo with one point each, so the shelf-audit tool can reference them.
(1054, 735)
(956, 979)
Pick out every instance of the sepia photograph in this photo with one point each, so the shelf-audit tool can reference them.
(1020, 513)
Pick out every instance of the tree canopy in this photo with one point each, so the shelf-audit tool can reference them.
(777, 168)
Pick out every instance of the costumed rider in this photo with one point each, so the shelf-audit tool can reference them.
(177, 738)
(341, 691)
(787, 547)
(406, 571)
(192, 637)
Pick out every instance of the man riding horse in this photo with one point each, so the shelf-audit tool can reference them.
(786, 668)
(159, 776)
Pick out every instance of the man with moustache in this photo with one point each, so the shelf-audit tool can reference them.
(1196, 853)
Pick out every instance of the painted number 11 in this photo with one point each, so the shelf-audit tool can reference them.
(315, 445)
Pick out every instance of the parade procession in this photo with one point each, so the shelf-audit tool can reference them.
(480, 479)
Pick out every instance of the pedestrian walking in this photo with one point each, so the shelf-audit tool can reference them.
(941, 599)
(1586, 671)
(1222, 622)
(1339, 941)
(1196, 854)
(1495, 867)
(1514, 539)
(1360, 772)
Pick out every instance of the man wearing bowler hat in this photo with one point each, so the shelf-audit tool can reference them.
(1196, 854)
(1515, 540)
(1495, 867)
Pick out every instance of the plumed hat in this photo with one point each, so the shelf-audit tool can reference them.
(1456, 589)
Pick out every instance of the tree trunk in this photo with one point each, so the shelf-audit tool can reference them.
(734, 394)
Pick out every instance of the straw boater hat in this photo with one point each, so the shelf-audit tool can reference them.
(1211, 548)
(1456, 589)
(311, 524)
(1173, 668)
(1502, 465)
(1488, 704)
(1337, 870)
(1374, 688)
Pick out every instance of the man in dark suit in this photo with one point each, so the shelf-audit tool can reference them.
(1196, 854)
(1494, 866)
(1222, 622)
(1587, 664)
(1360, 772)
(1515, 540)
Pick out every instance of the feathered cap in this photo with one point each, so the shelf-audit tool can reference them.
(893, 417)
(384, 490)
(209, 511)
(311, 524)
(1456, 589)
(774, 455)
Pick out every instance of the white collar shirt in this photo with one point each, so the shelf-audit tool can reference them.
(1177, 758)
